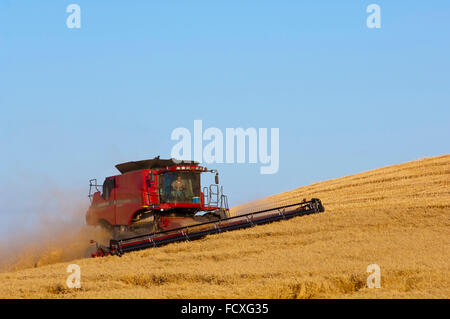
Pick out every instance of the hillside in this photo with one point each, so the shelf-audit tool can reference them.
(397, 217)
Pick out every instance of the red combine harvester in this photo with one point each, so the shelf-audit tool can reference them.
(155, 195)
(159, 201)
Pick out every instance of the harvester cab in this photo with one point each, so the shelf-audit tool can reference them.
(155, 195)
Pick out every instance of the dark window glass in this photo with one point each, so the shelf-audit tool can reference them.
(108, 186)
(180, 187)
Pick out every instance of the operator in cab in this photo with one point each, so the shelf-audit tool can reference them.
(178, 188)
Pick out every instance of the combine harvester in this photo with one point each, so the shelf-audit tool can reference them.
(156, 202)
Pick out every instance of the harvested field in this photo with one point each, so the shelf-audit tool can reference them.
(397, 217)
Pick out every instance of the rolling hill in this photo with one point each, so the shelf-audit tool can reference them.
(397, 217)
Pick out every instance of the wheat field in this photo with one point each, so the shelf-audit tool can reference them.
(397, 217)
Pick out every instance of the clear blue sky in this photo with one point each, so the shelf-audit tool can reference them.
(75, 102)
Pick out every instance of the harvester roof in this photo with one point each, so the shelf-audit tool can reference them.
(155, 163)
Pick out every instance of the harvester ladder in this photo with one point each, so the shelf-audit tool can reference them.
(214, 193)
(223, 201)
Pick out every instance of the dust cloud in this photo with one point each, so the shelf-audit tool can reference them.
(58, 233)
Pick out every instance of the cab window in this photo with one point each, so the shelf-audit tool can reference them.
(108, 186)
(181, 187)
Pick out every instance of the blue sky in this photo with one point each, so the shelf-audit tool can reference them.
(75, 102)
